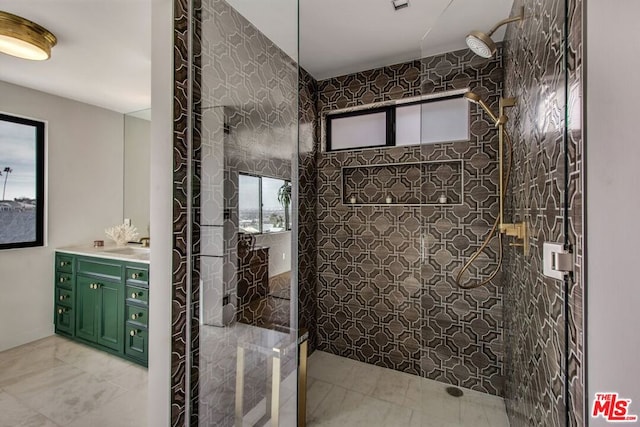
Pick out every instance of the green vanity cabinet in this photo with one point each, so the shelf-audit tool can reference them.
(104, 303)
(64, 314)
(99, 311)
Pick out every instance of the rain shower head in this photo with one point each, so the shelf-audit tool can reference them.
(482, 44)
(475, 98)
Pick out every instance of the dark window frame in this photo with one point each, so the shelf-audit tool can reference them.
(287, 215)
(391, 120)
(40, 180)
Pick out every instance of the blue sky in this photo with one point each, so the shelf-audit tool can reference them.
(18, 151)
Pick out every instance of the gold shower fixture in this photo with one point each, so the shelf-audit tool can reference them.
(24, 39)
(482, 44)
(517, 230)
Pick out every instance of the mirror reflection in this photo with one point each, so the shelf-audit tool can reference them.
(137, 173)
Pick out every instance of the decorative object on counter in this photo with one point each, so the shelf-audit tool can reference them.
(352, 200)
(389, 200)
(121, 234)
(442, 199)
(98, 243)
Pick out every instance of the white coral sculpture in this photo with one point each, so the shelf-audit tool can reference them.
(121, 234)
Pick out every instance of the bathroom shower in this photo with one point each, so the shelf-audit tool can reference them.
(517, 230)
(483, 45)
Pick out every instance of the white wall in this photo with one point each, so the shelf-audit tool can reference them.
(613, 201)
(279, 251)
(84, 176)
(161, 207)
(137, 141)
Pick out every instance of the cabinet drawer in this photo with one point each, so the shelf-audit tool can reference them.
(136, 342)
(64, 319)
(64, 279)
(137, 314)
(139, 295)
(64, 263)
(137, 276)
(64, 296)
(100, 268)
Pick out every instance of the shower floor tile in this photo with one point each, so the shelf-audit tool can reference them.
(344, 392)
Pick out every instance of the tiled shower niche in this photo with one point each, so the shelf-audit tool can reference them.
(421, 183)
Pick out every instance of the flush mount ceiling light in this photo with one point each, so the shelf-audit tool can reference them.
(400, 4)
(24, 39)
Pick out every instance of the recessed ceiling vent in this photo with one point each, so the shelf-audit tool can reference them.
(400, 4)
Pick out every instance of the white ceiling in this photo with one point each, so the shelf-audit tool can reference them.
(343, 36)
(103, 56)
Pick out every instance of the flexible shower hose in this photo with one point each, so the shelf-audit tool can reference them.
(492, 232)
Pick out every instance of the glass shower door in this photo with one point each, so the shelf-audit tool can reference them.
(501, 339)
(245, 192)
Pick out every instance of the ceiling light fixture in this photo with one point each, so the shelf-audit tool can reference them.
(24, 39)
(400, 4)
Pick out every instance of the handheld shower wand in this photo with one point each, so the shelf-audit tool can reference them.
(518, 230)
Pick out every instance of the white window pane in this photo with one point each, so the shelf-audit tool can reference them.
(273, 214)
(366, 130)
(431, 122)
(249, 203)
(408, 125)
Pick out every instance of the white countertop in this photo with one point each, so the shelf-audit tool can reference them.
(126, 253)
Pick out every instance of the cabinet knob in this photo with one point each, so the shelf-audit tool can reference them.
(136, 275)
(63, 297)
(63, 279)
(64, 263)
(94, 286)
(133, 333)
(61, 310)
(136, 316)
(135, 295)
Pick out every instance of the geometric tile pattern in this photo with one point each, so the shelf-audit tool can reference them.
(404, 184)
(180, 286)
(386, 291)
(540, 317)
(245, 120)
(308, 137)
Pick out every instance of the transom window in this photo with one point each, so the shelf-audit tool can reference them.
(430, 121)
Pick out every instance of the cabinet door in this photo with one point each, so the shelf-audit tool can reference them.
(86, 308)
(111, 315)
(137, 342)
(64, 319)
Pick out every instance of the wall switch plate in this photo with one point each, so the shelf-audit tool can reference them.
(556, 260)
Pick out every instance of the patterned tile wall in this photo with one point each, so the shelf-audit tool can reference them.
(180, 321)
(308, 134)
(245, 119)
(377, 300)
(407, 183)
(536, 308)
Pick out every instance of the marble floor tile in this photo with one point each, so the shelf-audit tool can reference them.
(127, 410)
(13, 413)
(28, 385)
(55, 382)
(343, 392)
(74, 398)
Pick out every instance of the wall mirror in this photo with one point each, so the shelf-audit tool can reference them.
(137, 142)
